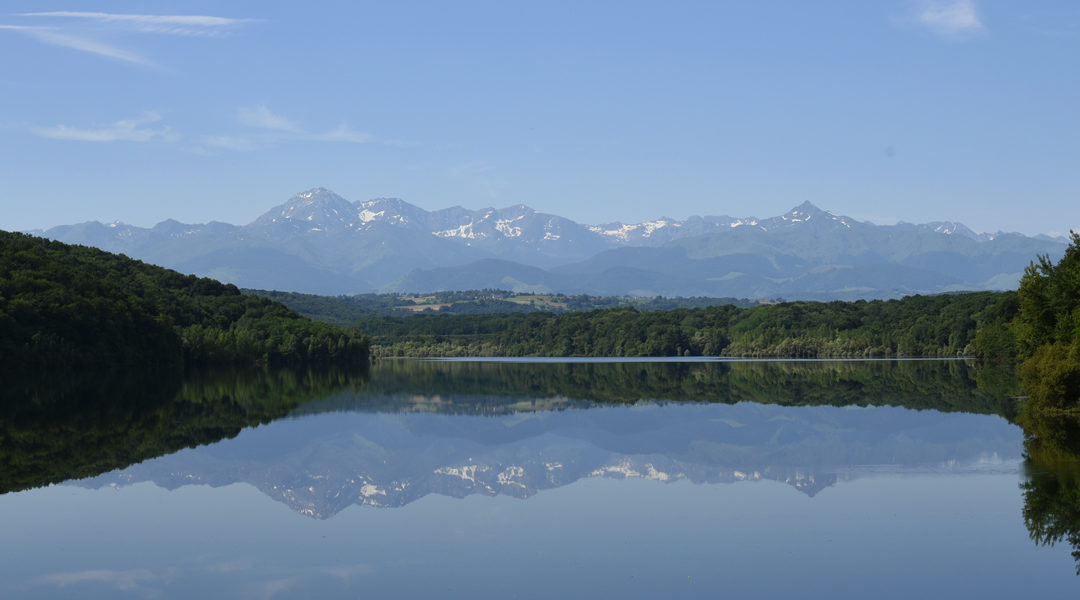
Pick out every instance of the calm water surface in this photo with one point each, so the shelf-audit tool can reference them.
(531, 480)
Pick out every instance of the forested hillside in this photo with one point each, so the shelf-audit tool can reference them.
(1047, 331)
(64, 305)
(943, 325)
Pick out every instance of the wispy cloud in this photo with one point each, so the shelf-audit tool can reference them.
(262, 128)
(120, 580)
(261, 117)
(951, 18)
(198, 25)
(125, 130)
(52, 36)
(85, 31)
(274, 128)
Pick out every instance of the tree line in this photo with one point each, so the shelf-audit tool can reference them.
(916, 326)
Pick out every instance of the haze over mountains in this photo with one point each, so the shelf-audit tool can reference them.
(318, 242)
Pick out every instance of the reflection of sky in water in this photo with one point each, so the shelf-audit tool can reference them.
(921, 535)
(940, 518)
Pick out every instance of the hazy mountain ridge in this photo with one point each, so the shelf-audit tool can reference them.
(318, 242)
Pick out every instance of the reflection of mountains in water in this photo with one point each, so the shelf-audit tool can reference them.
(321, 464)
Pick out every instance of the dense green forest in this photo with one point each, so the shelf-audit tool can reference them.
(90, 422)
(63, 305)
(1046, 332)
(916, 326)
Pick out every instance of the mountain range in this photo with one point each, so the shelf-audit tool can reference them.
(318, 242)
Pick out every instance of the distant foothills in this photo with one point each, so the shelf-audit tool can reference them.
(319, 243)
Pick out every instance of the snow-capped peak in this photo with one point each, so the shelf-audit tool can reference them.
(315, 193)
(320, 197)
(317, 209)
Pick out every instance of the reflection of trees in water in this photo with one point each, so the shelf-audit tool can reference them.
(75, 425)
(1052, 489)
(940, 385)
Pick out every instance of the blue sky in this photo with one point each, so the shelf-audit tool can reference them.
(894, 110)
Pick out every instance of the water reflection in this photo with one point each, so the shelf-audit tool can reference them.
(458, 429)
(323, 464)
(79, 424)
(1052, 488)
(492, 387)
(861, 467)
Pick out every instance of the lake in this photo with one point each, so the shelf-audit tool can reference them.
(536, 479)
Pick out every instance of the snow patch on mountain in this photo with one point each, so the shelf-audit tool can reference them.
(463, 231)
(621, 233)
(650, 226)
(741, 222)
(366, 216)
(504, 226)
